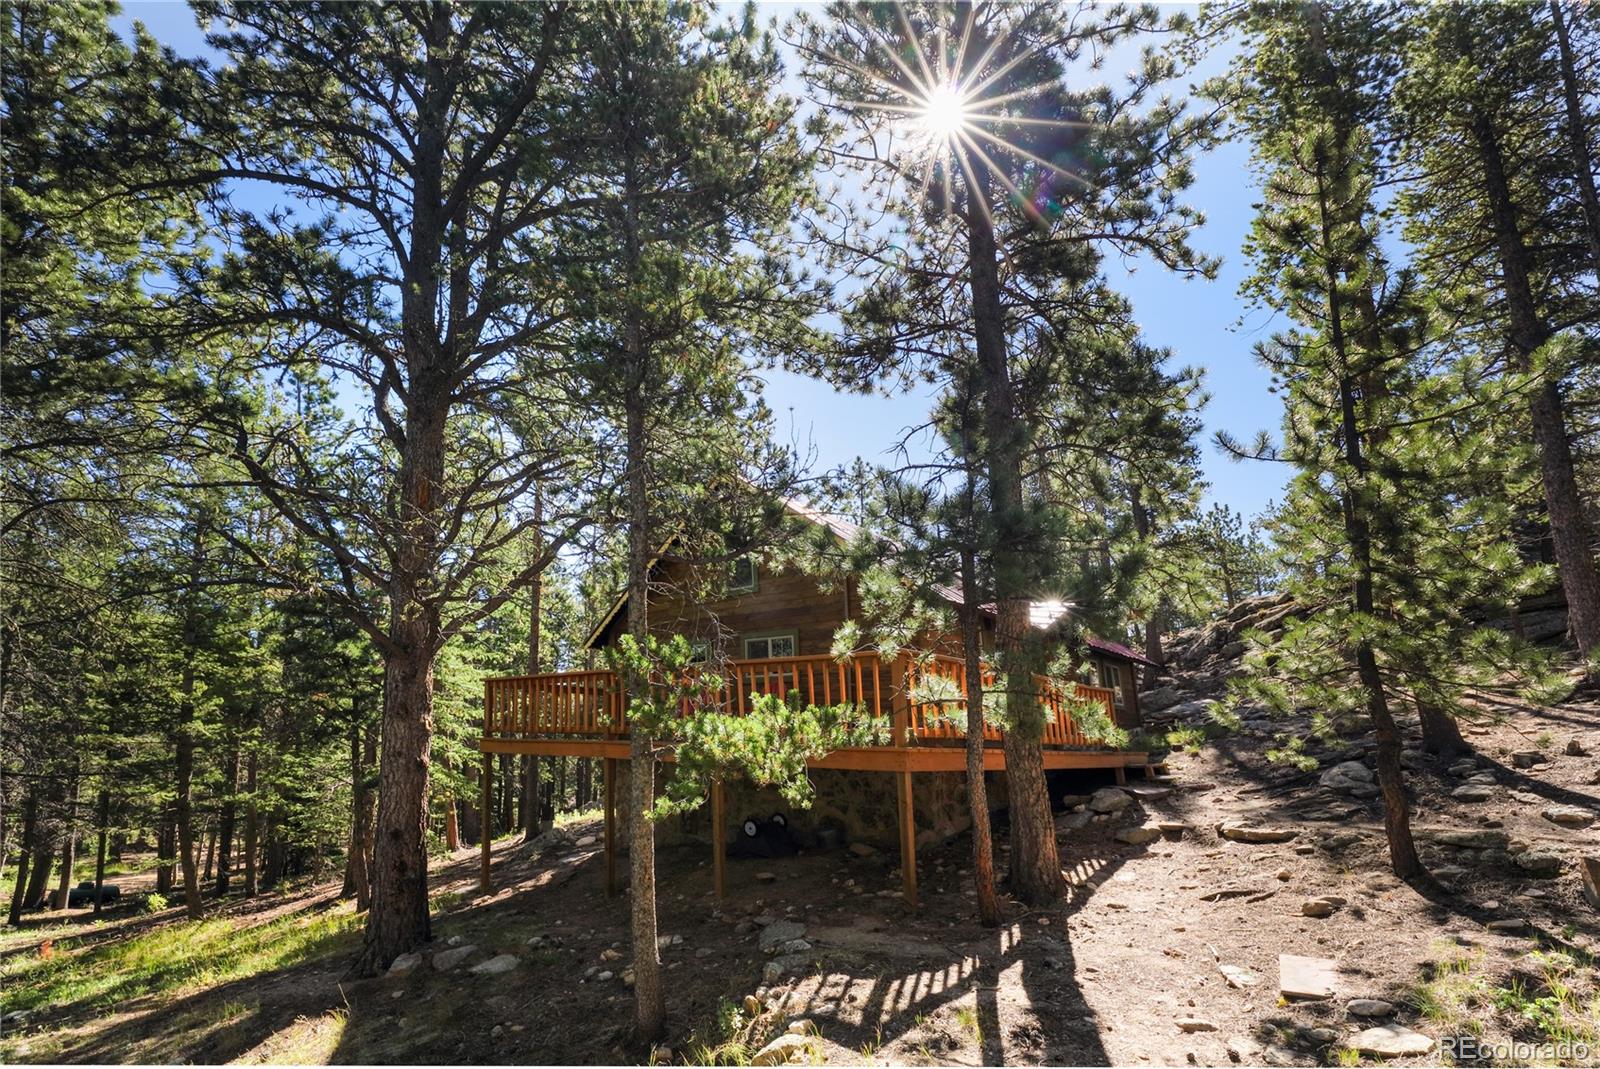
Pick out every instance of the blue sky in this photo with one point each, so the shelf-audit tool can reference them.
(1204, 323)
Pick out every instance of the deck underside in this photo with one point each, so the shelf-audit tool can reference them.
(864, 759)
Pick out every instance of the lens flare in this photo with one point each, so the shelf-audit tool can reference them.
(944, 112)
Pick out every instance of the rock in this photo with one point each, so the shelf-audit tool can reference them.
(1320, 1036)
(752, 1006)
(1153, 701)
(1568, 816)
(1110, 800)
(446, 960)
(784, 965)
(785, 1049)
(661, 1055)
(1541, 863)
(1464, 767)
(1244, 1049)
(611, 954)
(1368, 1007)
(1475, 840)
(1389, 1041)
(1509, 924)
(1276, 1055)
(1589, 869)
(1240, 832)
(1472, 792)
(1195, 1024)
(778, 933)
(1138, 836)
(1174, 827)
(1575, 748)
(1346, 776)
(586, 840)
(1302, 977)
(1317, 907)
(1238, 976)
(404, 966)
(766, 877)
(1526, 758)
(605, 974)
(500, 963)
(861, 849)
(744, 927)
(665, 941)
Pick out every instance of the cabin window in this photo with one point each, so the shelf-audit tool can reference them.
(1111, 677)
(760, 646)
(742, 576)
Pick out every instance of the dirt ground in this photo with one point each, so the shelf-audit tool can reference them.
(1127, 970)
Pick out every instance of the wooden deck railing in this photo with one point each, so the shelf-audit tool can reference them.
(592, 704)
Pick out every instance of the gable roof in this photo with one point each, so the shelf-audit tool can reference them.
(1041, 614)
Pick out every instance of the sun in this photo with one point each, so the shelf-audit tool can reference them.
(943, 112)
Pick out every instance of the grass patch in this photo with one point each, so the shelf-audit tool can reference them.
(172, 958)
(1551, 998)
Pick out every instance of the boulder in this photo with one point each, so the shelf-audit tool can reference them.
(785, 1049)
(1240, 832)
(1526, 758)
(1541, 863)
(446, 960)
(1589, 867)
(1390, 1041)
(1110, 800)
(1138, 836)
(404, 965)
(1482, 839)
(500, 963)
(784, 965)
(1153, 701)
(1368, 1007)
(1346, 775)
(1472, 792)
(1568, 816)
(778, 933)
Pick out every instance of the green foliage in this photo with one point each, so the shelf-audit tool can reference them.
(769, 745)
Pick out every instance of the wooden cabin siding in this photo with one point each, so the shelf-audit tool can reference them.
(783, 602)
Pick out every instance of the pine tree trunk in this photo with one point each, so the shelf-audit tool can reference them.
(69, 843)
(251, 828)
(225, 821)
(1583, 167)
(1440, 733)
(100, 849)
(356, 880)
(649, 997)
(211, 852)
(452, 826)
(27, 846)
(977, 790)
(164, 853)
(44, 862)
(1035, 865)
(366, 815)
(1569, 528)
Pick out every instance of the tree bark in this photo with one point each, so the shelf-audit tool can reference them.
(100, 849)
(69, 843)
(225, 821)
(251, 829)
(164, 853)
(357, 882)
(1440, 733)
(44, 861)
(1577, 137)
(1569, 529)
(1035, 865)
(27, 846)
(977, 791)
(211, 852)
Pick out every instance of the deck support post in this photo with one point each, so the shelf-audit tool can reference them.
(1121, 772)
(719, 822)
(485, 815)
(611, 826)
(908, 838)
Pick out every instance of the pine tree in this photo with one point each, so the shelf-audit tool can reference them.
(1481, 112)
(1006, 156)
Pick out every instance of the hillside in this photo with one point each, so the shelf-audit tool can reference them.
(1186, 893)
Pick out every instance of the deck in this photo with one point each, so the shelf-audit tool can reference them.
(584, 714)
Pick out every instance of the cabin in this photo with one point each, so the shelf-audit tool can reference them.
(770, 630)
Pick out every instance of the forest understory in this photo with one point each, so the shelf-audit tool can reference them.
(1166, 951)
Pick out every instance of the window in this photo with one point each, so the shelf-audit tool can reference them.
(1111, 676)
(756, 646)
(742, 576)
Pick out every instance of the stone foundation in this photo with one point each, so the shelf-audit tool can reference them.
(860, 806)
